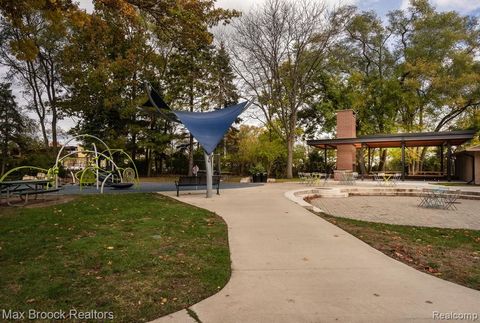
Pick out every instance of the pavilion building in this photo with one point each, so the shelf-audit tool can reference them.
(346, 144)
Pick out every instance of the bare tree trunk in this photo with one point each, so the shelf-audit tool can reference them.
(361, 160)
(156, 165)
(44, 132)
(148, 160)
(134, 147)
(37, 101)
(290, 144)
(160, 165)
(190, 144)
(383, 158)
(422, 158)
(54, 127)
(4, 155)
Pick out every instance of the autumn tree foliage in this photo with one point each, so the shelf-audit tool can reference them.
(32, 37)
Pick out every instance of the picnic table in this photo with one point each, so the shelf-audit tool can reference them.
(25, 188)
(387, 179)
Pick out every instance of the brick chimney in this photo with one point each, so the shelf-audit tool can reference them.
(346, 128)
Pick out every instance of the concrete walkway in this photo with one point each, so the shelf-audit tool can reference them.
(291, 266)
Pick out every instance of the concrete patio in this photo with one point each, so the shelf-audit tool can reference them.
(402, 210)
(289, 265)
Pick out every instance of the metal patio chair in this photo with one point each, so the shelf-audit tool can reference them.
(450, 199)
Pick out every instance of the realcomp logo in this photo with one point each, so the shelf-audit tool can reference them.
(447, 316)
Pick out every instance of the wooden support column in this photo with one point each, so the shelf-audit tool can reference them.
(403, 160)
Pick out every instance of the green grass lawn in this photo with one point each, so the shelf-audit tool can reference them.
(451, 254)
(453, 184)
(140, 256)
(287, 180)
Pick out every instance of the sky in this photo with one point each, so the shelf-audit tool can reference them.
(471, 7)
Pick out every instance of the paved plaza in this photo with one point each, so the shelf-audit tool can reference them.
(402, 210)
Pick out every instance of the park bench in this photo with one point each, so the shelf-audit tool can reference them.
(186, 181)
(25, 193)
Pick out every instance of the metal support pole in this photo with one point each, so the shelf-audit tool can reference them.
(441, 159)
(325, 164)
(369, 169)
(449, 161)
(403, 160)
(208, 166)
(362, 154)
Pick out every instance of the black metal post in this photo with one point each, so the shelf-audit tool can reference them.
(369, 169)
(441, 159)
(325, 159)
(449, 162)
(362, 169)
(403, 160)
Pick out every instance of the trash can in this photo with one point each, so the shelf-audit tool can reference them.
(264, 177)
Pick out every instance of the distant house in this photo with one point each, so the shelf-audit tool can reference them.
(77, 160)
(467, 164)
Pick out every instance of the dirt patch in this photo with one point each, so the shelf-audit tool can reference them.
(43, 202)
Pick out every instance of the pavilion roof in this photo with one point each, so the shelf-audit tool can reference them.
(418, 139)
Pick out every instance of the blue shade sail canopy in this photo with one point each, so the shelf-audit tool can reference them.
(156, 105)
(210, 127)
(155, 99)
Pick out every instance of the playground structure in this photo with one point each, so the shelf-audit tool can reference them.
(100, 171)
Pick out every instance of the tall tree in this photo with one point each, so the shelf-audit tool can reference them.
(106, 63)
(187, 83)
(439, 63)
(374, 92)
(277, 49)
(223, 91)
(438, 67)
(13, 126)
(125, 43)
(32, 36)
